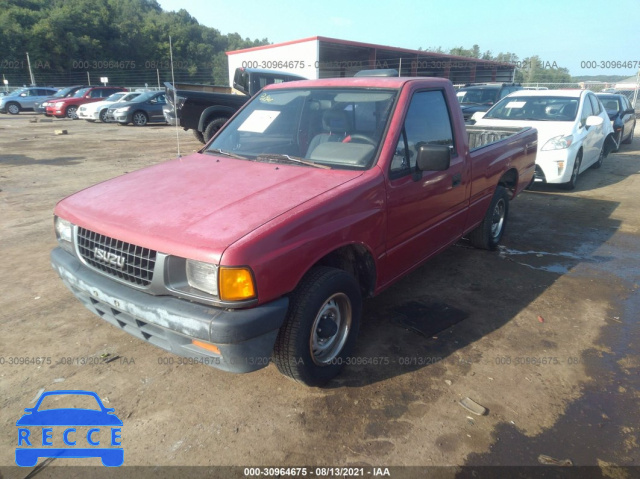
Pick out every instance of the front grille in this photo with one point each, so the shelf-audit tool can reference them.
(124, 261)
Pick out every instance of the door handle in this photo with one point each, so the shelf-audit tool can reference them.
(456, 180)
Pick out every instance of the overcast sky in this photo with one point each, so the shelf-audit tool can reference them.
(567, 32)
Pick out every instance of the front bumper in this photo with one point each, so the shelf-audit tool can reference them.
(547, 165)
(244, 337)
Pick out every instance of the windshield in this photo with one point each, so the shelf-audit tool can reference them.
(115, 96)
(536, 108)
(129, 97)
(144, 96)
(80, 92)
(476, 95)
(62, 93)
(18, 91)
(337, 127)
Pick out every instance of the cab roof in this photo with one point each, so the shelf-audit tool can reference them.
(362, 82)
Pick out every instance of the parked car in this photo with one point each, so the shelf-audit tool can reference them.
(98, 111)
(68, 107)
(41, 105)
(205, 108)
(622, 115)
(24, 99)
(315, 195)
(146, 108)
(574, 131)
(481, 97)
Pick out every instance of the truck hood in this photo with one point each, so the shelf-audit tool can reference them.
(195, 207)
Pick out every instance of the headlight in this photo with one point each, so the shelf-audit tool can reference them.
(558, 143)
(203, 276)
(64, 233)
(122, 110)
(58, 104)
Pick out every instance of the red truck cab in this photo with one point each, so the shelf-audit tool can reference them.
(68, 107)
(315, 195)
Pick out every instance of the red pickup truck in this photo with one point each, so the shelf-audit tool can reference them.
(315, 195)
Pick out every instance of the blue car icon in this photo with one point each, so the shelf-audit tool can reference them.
(71, 418)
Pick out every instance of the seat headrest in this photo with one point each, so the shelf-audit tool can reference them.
(336, 121)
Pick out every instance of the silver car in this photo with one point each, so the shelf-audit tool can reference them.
(24, 99)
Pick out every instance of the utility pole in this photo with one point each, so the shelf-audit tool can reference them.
(33, 81)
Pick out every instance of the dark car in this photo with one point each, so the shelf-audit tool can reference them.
(622, 116)
(481, 97)
(147, 108)
(40, 106)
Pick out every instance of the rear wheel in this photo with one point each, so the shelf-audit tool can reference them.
(213, 127)
(571, 184)
(489, 233)
(199, 136)
(139, 118)
(321, 326)
(13, 108)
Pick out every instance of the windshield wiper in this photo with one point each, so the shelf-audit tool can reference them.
(226, 153)
(292, 159)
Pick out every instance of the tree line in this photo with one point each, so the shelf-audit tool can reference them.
(124, 37)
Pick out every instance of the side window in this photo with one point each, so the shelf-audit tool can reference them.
(427, 121)
(595, 104)
(587, 110)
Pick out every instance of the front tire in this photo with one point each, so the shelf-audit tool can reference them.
(103, 115)
(72, 112)
(321, 327)
(489, 233)
(13, 108)
(139, 118)
(571, 184)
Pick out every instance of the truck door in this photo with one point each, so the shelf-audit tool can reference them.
(426, 209)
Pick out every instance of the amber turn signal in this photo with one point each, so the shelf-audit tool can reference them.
(236, 284)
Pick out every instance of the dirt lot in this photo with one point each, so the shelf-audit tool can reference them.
(543, 333)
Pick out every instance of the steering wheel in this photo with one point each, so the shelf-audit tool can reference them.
(363, 138)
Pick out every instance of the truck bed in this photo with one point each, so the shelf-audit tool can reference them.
(481, 136)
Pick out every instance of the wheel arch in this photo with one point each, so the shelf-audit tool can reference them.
(355, 259)
(213, 112)
(509, 180)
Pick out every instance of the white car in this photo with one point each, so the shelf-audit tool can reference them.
(98, 110)
(574, 131)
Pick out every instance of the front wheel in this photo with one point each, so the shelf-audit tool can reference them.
(321, 327)
(139, 118)
(72, 112)
(13, 108)
(103, 115)
(489, 233)
(571, 184)
(199, 136)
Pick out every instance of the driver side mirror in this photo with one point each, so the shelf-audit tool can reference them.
(433, 157)
(594, 121)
